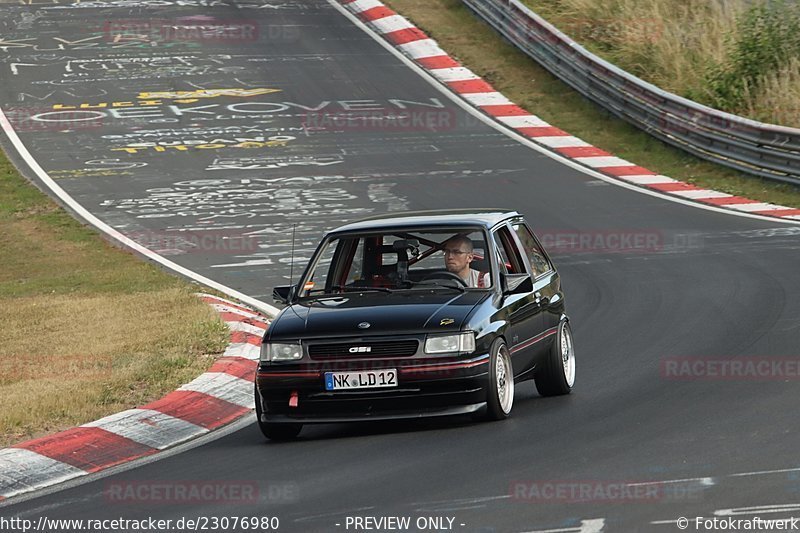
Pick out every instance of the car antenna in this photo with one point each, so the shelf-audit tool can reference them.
(291, 259)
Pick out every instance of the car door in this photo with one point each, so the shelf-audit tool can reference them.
(522, 310)
(545, 278)
(546, 284)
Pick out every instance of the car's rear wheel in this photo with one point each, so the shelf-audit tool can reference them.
(500, 397)
(557, 375)
(274, 431)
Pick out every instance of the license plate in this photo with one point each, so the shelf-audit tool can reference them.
(361, 380)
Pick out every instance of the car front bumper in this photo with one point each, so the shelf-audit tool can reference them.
(425, 388)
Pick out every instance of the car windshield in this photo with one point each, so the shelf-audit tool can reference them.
(401, 260)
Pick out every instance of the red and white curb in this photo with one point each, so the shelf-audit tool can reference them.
(426, 53)
(214, 399)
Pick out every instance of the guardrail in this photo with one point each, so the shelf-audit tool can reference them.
(764, 150)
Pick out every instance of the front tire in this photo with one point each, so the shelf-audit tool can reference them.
(273, 431)
(557, 375)
(500, 398)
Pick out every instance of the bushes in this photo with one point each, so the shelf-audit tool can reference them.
(740, 56)
(767, 38)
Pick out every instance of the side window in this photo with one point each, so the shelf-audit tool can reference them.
(500, 262)
(356, 272)
(539, 264)
(508, 251)
(321, 276)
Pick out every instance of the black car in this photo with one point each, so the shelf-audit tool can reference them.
(425, 314)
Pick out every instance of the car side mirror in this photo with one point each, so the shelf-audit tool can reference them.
(284, 293)
(516, 283)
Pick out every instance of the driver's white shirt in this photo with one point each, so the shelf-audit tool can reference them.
(473, 279)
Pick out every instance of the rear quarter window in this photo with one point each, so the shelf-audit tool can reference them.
(531, 248)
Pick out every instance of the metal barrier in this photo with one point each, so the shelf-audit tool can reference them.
(764, 150)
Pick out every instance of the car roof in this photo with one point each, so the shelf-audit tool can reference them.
(486, 218)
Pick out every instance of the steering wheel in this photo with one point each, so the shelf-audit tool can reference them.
(445, 274)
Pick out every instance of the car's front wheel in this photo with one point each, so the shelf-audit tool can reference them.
(557, 375)
(274, 431)
(500, 398)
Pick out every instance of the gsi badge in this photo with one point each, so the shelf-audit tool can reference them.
(360, 349)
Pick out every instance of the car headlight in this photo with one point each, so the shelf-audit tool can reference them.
(460, 343)
(274, 351)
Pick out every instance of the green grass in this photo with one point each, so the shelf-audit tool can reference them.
(44, 249)
(739, 56)
(89, 329)
(530, 86)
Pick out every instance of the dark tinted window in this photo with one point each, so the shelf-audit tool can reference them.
(539, 264)
(508, 251)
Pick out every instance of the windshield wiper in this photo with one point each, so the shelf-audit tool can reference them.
(431, 284)
(349, 289)
(361, 289)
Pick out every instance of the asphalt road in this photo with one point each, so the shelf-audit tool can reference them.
(209, 151)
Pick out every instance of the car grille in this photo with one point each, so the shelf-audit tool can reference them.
(404, 348)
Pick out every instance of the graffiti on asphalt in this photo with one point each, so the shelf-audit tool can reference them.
(263, 163)
(207, 144)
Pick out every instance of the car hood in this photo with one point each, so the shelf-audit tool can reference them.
(386, 314)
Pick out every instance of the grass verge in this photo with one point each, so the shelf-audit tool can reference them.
(88, 329)
(532, 87)
(734, 55)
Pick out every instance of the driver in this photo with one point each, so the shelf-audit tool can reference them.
(458, 254)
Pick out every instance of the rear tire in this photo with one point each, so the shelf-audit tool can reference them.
(273, 431)
(500, 393)
(557, 375)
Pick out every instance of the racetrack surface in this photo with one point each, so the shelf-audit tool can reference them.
(236, 169)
